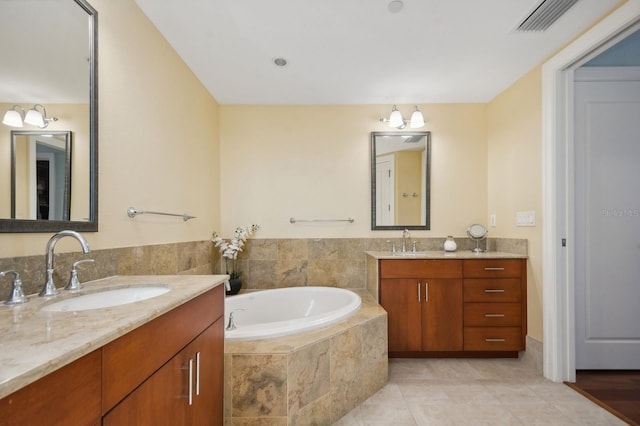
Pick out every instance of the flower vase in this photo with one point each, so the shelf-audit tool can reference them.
(236, 285)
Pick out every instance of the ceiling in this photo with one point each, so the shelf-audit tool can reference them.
(357, 51)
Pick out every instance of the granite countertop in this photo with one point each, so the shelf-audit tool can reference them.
(34, 343)
(441, 254)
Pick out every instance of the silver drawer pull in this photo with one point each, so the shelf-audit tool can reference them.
(494, 269)
(494, 315)
(494, 290)
(418, 292)
(494, 340)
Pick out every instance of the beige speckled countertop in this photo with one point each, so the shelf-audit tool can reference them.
(441, 254)
(34, 343)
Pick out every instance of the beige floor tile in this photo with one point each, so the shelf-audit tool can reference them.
(462, 392)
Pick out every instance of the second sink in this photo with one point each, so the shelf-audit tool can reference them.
(107, 298)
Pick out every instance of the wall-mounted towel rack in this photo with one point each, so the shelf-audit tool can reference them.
(294, 220)
(133, 212)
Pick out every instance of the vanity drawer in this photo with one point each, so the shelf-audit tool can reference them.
(493, 339)
(492, 314)
(420, 268)
(492, 290)
(492, 268)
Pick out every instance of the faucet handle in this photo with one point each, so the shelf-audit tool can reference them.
(413, 246)
(74, 283)
(17, 294)
(393, 246)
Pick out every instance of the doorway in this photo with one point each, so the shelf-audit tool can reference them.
(559, 236)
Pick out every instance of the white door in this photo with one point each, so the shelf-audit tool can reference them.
(385, 192)
(607, 223)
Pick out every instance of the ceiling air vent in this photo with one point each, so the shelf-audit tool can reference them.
(547, 12)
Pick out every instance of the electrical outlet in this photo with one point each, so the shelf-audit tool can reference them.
(526, 218)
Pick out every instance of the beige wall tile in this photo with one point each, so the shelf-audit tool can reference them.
(259, 385)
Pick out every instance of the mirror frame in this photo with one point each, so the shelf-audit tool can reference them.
(427, 225)
(27, 225)
(67, 167)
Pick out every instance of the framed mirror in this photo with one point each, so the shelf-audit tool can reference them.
(400, 187)
(50, 62)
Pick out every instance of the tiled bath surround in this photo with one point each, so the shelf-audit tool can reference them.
(310, 378)
(264, 263)
(333, 262)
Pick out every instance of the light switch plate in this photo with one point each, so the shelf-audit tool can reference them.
(526, 218)
(492, 220)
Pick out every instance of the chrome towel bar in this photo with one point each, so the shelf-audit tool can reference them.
(294, 220)
(133, 212)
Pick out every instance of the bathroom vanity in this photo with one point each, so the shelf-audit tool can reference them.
(159, 361)
(453, 305)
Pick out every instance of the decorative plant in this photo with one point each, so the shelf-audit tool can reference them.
(231, 248)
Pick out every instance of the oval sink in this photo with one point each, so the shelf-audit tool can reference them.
(106, 298)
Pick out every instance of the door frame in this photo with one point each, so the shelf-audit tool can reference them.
(557, 183)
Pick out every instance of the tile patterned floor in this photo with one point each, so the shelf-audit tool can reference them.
(473, 392)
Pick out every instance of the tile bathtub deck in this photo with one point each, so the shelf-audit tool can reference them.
(473, 392)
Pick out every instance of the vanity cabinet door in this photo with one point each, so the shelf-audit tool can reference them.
(442, 315)
(187, 390)
(401, 299)
(68, 396)
(207, 353)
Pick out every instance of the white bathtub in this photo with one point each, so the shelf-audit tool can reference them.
(278, 312)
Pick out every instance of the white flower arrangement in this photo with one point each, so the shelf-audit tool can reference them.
(231, 248)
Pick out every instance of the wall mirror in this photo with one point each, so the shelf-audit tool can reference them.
(400, 188)
(50, 58)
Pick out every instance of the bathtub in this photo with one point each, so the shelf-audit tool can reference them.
(278, 312)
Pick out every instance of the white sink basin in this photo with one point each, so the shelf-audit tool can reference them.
(107, 298)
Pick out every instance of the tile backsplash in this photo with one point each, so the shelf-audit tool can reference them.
(264, 263)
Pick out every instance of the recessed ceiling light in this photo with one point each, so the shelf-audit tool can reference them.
(281, 62)
(395, 6)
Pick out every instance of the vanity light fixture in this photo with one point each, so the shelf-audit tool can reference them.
(396, 120)
(35, 117)
(14, 117)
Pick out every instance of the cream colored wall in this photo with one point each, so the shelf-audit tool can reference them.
(314, 162)
(514, 161)
(158, 141)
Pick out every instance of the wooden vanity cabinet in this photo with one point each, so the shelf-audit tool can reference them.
(454, 307)
(423, 300)
(168, 371)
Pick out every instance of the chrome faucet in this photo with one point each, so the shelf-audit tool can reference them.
(49, 288)
(232, 325)
(405, 235)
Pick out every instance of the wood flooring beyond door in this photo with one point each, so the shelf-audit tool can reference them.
(616, 390)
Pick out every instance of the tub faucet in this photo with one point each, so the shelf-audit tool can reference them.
(49, 288)
(232, 325)
(405, 236)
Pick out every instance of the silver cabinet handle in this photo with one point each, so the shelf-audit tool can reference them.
(494, 340)
(494, 315)
(426, 292)
(198, 373)
(491, 290)
(418, 292)
(190, 381)
(494, 269)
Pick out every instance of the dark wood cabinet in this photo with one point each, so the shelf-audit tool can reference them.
(454, 307)
(423, 300)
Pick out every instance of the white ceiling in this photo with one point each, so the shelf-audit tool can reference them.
(357, 52)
